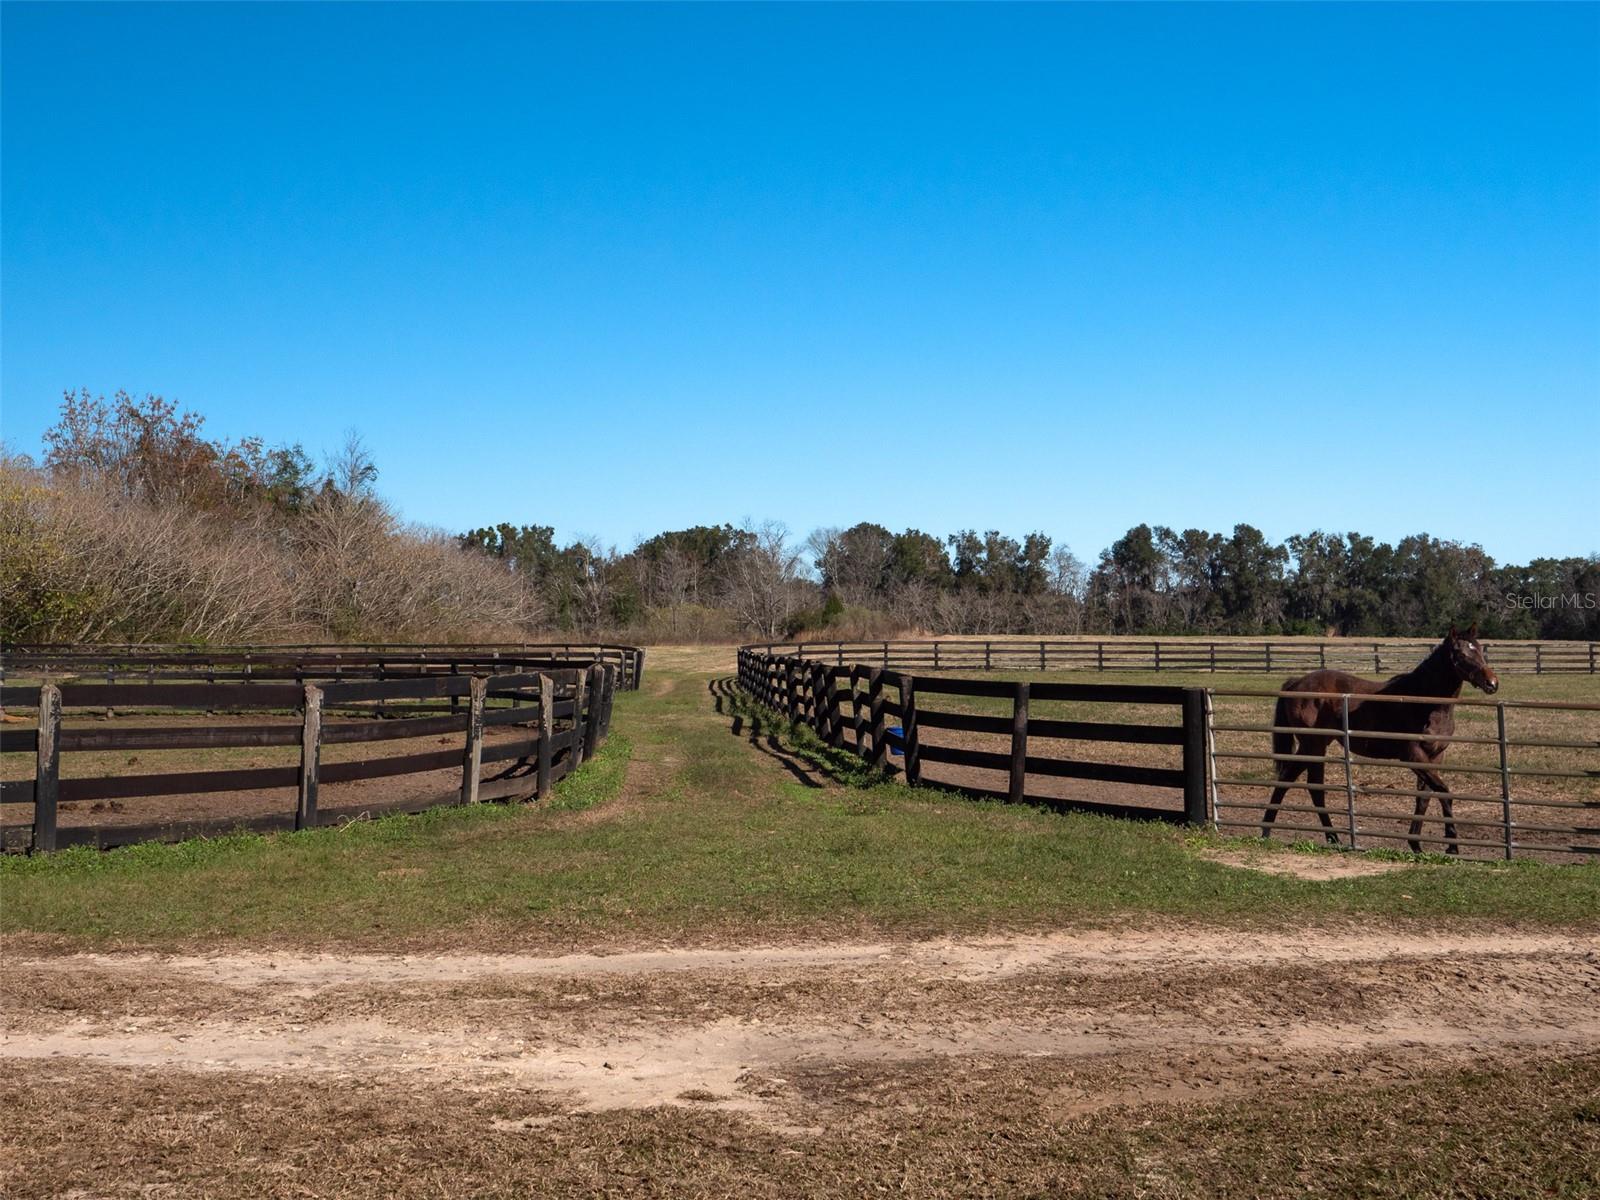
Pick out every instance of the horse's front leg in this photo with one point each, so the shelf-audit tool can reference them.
(1421, 810)
(1314, 785)
(1288, 772)
(1447, 808)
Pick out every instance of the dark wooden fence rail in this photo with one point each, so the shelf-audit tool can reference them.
(301, 663)
(856, 716)
(1185, 654)
(561, 715)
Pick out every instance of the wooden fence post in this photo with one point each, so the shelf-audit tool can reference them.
(819, 707)
(547, 733)
(819, 713)
(577, 721)
(855, 708)
(880, 750)
(1194, 756)
(608, 675)
(472, 759)
(908, 729)
(305, 810)
(594, 686)
(47, 768)
(835, 711)
(1019, 743)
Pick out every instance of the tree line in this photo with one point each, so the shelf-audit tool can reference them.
(136, 526)
(723, 581)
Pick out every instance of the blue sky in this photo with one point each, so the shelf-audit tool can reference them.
(619, 269)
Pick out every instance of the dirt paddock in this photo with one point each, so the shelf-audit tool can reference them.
(792, 1043)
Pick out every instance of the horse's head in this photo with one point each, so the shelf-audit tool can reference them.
(1466, 656)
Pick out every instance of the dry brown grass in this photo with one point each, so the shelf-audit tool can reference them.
(998, 1128)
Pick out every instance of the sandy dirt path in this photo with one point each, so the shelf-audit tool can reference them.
(1202, 1011)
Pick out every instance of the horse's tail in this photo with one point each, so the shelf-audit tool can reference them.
(1282, 739)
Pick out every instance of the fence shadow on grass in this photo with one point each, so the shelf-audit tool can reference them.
(802, 754)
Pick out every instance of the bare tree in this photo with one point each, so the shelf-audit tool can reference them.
(764, 587)
(351, 469)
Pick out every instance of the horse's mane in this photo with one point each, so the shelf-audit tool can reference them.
(1405, 684)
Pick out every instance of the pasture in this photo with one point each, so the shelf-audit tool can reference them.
(725, 958)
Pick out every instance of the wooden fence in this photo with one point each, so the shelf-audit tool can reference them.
(1186, 654)
(1542, 798)
(247, 664)
(524, 722)
(848, 708)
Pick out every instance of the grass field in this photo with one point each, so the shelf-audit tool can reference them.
(714, 835)
(726, 961)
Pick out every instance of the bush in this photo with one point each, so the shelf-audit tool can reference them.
(82, 562)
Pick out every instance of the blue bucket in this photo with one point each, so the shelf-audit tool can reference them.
(896, 732)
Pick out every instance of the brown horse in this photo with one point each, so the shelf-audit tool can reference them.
(1456, 660)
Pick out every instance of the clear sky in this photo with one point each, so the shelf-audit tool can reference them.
(619, 269)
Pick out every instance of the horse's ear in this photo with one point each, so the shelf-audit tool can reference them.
(1473, 632)
(1452, 635)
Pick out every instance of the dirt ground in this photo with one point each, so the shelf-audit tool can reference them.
(789, 1043)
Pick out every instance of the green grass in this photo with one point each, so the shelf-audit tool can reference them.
(715, 839)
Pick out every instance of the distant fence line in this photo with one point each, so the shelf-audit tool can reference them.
(1186, 654)
(310, 661)
(849, 706)
(540, 710)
